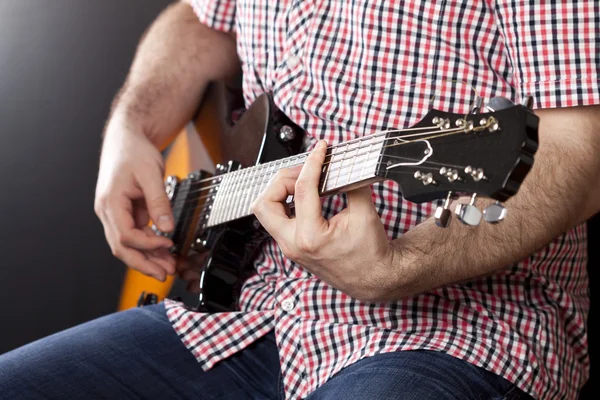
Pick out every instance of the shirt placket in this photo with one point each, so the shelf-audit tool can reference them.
(288, 331)
(293, 58)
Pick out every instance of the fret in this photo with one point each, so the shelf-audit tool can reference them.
(228, 205)
(215, 202)
(216, 209)
(353, 162)
(326, 178)
(224, 197)
(249, 195)
(348, 163)
(233, 195)
(255, 188)
(226, 193)
(341, 165)
(235, 188)
(244, 188)
(269, 173)
(364, 168)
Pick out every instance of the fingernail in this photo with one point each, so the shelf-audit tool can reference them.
(165, 223)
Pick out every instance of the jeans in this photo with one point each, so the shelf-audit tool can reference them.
(136, 354)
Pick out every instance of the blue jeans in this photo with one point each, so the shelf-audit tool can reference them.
(136, 354)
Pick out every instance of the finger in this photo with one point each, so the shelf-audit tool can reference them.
(193, 286)
(157, 202)
(360, 201)
(270, 209)
(162, 257)
(190, 275)
(119, 214)
(138, 261)
(194, 262)
(165, 261)
(141, 216)
(306, 196)
(278, 189)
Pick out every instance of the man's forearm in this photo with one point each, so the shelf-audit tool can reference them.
(560, 192)
(174, 63)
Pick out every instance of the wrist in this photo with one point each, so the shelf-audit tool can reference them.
(126, 120)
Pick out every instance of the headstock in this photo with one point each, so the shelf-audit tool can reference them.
(487, 153)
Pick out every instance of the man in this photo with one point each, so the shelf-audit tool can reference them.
(376, 301)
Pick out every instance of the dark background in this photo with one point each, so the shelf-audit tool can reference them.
(61, 63)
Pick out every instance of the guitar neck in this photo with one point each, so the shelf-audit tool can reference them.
(347, 166)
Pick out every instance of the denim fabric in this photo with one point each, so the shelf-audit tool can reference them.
(135, 354)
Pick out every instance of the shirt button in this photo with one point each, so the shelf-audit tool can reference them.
(293, 61)
(287, 305)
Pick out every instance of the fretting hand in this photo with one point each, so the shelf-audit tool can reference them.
(350, 251)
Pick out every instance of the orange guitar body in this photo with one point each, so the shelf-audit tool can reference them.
(197, 146)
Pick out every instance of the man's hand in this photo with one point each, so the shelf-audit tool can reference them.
(129, 192)
(351, 251)
(173, 65)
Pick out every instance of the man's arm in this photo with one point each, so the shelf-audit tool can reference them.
(351, 251)
(174, 63)
(561, 191)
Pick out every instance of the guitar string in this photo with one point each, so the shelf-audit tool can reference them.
(262, 179)
(227, 210)
(332, 170)
(352, 141)
(239, 188)
(234, 174)
(248, 188)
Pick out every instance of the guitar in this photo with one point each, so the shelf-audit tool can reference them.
(198, 146)
(445, 154)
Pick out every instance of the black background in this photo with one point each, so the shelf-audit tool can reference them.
(61, 63)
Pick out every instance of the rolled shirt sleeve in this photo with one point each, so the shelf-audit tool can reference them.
(554, 48)
(216, 14)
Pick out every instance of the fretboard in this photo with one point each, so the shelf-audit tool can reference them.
(346, 165)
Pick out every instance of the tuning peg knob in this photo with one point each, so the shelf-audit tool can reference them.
(494, 213)
(443, 215)
(468, 214)
(527, 101)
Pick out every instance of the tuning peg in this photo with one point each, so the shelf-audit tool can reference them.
(494, 213)
(527, 101)
(477, 105)
(468, 214)
(443, 213)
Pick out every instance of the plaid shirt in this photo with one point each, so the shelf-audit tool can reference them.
(343, 69)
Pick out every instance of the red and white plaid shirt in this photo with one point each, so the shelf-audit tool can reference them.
(342, 69)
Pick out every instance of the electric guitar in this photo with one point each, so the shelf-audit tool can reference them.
(481, 153)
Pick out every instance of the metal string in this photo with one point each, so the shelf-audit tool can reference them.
(244, 189)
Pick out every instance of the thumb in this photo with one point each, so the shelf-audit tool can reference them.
(157, 202)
